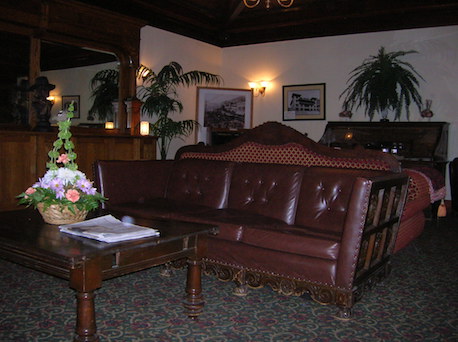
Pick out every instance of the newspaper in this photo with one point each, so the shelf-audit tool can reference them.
(108, 229)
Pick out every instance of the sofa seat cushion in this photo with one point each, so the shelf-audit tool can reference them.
(268, 261)
(295, 240)
(158, 208)
(232, 222)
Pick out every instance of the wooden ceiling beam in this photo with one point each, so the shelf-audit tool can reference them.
(230, 23)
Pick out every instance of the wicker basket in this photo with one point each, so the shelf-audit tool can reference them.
(56, 214)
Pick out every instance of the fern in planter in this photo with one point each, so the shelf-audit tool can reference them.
(383, 82)
(160, 98)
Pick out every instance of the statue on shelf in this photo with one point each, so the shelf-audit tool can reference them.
(41, 105)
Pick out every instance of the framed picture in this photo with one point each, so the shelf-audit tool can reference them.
(223, 109)
(304, 102)
(67, 99)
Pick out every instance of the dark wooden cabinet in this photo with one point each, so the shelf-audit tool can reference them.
(413, 143)
(222, 136)
(23, 157)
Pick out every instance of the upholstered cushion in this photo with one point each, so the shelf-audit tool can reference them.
(295, 240)
(202, 182)
(323, 202)
(271, 261)
(232, 222)
(132, 180)
(267, 190)
(158, 208)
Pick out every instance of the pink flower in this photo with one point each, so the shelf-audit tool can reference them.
(63, 158)
(30, 191)
(72, 195)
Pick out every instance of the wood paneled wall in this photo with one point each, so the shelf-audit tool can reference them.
(23, 157)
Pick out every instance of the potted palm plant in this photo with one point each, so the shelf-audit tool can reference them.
(381, 83)
(159, 95)
(105, 90)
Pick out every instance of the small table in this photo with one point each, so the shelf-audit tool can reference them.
(25, 239)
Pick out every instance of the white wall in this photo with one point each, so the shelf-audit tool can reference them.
(329, 60)
(159, 48)
(317, 60)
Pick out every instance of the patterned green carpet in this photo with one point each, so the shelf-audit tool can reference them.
(418, 302)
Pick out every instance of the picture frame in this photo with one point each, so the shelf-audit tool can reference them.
(304, 102)
(67, 99)
(227, 109)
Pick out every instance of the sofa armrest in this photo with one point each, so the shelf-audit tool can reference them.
(371, 226)
(123, 181)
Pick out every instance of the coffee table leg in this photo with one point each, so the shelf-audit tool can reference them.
(85, 280)
(86, 329)
(194, 301)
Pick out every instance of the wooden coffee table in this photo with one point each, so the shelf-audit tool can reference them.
(27, 240)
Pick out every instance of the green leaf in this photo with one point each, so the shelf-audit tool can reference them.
(159, 95)
(53, 154)
(383, 82)
(69, 145)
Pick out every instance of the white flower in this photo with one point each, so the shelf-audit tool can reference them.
(67, 176)
(49, 176)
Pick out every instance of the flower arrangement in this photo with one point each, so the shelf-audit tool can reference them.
(63, 187)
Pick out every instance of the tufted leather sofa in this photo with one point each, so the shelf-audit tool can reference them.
(275, 143)
(326, 231)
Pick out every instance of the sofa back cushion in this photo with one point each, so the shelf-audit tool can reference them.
(124, 181)
(203, 182)
(324, 197)
(266, 189)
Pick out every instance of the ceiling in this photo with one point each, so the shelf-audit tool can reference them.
(230, 23)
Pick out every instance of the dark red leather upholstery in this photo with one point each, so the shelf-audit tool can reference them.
(136, 181)
(202, 182)
(293, 222)
(268, 190)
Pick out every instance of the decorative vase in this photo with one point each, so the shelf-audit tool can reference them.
(56, 214)
(345, 114)
(427, 113)
(384, 115)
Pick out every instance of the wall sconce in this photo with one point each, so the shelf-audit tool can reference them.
(144, 128)
(51, 99)
(259, 88)
(109, 125)
(143, 72)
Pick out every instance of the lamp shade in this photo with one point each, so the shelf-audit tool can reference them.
(144, 128)
(109, 125)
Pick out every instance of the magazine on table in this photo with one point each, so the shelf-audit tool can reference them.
(108, 229)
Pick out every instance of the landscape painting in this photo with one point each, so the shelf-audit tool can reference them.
(223, 109)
